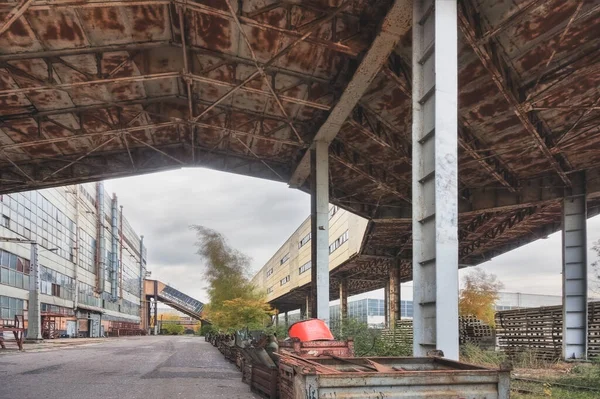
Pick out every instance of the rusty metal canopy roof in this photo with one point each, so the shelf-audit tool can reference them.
(100, 89)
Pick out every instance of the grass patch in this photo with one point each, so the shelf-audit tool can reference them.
(549, 376)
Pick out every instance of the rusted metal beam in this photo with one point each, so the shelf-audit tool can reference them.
(517, 15)
(108, 165)
(292, 100)
(66, 86)
(340, 154)
(395, 24)
(83, 50)
(203, 9)
(270, 62)
(496, 231)
(14, 14)
(261, 71)
(85, 108)
(486, 159)
(500, 73)
(187, 80)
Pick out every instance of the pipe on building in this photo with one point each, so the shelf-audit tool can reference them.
(143, 300)
(101, 251)
(114, 254)
(76, 249)
(121, 253)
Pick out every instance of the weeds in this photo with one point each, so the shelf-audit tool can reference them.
(369, 341)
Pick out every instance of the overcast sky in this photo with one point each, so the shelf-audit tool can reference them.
(257, 216)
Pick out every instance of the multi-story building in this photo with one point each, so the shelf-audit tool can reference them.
(91, 261)
(370, 311)
(290, 267)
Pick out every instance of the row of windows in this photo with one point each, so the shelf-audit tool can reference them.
(32, 216)
(304, 267)
(269, 290)
(10, 307)
(86, 296)
(284, 259)
(55, 283)
(284, 280)
(14, 270)
(87, 196)
(334, 209)
(48, 308)
(130, 307)
(305, 240)
(87, 251)
(338, 243)
(269, 272)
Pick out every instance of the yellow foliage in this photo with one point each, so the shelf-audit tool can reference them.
(168, 317)
(479, 296)
(239, 313)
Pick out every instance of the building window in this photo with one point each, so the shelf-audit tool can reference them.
(10, 307)
(304, 267)
(338, 243)
(14, 270)
(6, 221)
(284, 259)
(269, 272)
(55, 283)
(284, 280)
(269, 290)
(334, 209)
(304, 240)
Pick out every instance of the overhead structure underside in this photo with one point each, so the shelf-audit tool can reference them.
(96, 90)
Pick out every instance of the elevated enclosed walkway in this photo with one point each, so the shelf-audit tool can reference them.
(156, 291)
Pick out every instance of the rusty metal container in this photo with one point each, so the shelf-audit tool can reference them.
(393, 377)
(318, 348)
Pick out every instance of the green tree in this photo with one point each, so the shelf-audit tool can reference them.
(234, 303)
(479, 295)
(171, 326)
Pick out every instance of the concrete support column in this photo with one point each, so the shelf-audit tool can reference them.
(434, 177)
(386, 305)
(574, 272)
(343, 299)
(394, 294)
(320, 230)
(34, 316)
(286, 319)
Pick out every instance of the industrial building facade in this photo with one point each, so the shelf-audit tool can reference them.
(291, 265)
(91, 261)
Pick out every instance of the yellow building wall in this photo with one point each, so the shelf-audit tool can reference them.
(270, 278)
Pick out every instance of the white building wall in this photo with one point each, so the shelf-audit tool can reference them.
(63, 221)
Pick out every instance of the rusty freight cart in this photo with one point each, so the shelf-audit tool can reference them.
(392, 377)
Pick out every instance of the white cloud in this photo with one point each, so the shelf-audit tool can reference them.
(257, 216)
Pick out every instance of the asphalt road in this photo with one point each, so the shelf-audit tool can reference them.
(124, 368)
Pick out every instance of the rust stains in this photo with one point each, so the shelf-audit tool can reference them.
(213, 32)
(148, 19)
(58, 28)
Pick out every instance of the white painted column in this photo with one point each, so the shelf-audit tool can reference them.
(435, 175)
(575, 284)
(320, 230)
(34, 322)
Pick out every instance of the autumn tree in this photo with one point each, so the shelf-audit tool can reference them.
(479, 295)
(234, 303)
